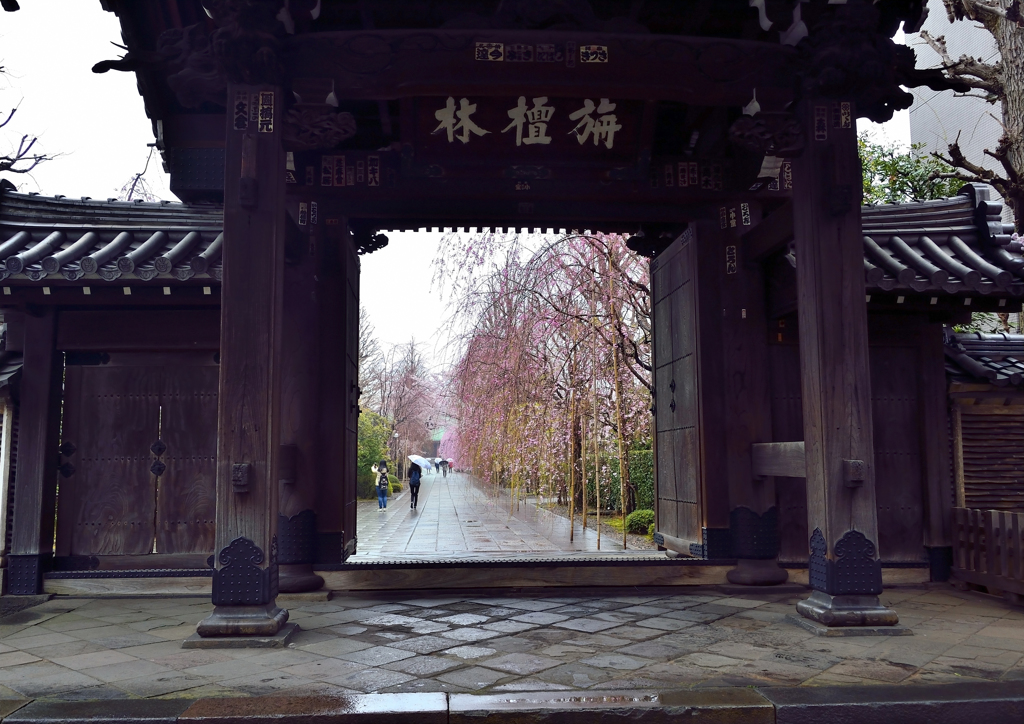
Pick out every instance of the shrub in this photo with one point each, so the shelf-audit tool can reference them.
(650, 530)
(639, 521)
(394, 485)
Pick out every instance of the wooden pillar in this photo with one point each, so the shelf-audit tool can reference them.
(338, 301)
(299, 468)
(844, 569)
(710, 379)
(35, 487)
(245, 582)
(745, 399)
(935, 454)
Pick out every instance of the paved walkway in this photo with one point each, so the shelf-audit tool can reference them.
(457, 517)
(118, 648)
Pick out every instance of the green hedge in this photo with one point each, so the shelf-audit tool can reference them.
(639, 521)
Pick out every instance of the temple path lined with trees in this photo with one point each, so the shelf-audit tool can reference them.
(458, 516)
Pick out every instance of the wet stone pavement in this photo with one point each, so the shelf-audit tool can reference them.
(457, 516)
(126, 648)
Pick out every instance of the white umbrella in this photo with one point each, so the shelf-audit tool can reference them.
(421, 461)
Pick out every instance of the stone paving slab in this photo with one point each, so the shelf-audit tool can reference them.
(926, 704)
(564, 640)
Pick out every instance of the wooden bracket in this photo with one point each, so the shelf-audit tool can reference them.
(853, 473)
(240, 474)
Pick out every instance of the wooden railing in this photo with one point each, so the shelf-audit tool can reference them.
(988, 549)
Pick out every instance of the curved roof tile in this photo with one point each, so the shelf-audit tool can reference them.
(85, 240)
(944, 246)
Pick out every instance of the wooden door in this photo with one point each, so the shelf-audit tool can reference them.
(106, 497)
(138, 452)
(677, 459)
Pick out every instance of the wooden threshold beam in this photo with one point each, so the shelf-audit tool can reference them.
(778, 459)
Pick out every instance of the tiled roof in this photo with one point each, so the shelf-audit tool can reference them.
(949, 246)
(994, 358)
(47, 238)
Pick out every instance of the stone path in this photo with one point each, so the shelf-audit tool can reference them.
(457, 517)
(606, 640)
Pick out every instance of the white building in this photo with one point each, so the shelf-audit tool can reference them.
(939, 118)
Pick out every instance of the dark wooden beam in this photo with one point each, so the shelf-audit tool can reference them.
(36, 487)
(110, 330)
(771, 235)
(778, 459)
(388, 64)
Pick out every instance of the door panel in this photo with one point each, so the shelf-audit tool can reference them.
(187, 490)
(678, 463)
(113, 488)
(122, 493)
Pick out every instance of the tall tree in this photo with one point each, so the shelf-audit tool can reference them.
(1000, 82)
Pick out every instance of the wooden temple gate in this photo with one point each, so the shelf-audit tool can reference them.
(719, 130)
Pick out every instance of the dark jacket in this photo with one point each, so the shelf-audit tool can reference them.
(414, 474)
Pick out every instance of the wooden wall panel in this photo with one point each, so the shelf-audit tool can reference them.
(897, 435)
(993, 457)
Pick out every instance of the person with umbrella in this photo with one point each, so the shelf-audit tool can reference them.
(381, 471)
(415, 473)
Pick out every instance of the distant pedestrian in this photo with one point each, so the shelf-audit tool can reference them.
(415, 473)
(381, 471)
(444, 468)
(437, 468)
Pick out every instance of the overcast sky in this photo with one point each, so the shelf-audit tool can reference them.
(99, 127)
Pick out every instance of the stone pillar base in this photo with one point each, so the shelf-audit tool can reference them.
(298, 578)
(846, 610)
(263, 620)
(752, 572)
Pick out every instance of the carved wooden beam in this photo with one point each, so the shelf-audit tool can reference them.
(778, 459)
(387, 64)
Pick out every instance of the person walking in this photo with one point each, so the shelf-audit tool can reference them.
(381, 471)
(415, 473)
(444, 468)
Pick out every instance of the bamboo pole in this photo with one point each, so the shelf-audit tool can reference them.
(572, 463)
(618, 399)
(583, 470)
(597, 462)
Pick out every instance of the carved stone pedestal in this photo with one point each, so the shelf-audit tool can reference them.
(752, 572)
(846, 610)
(262, 620)
(853, 615)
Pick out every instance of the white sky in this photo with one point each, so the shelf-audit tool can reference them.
(99, 126)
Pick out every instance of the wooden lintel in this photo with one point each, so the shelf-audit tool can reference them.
(389, 64)
(774, 232)
(778, 459)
